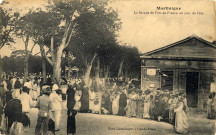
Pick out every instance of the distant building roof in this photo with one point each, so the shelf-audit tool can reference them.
(179, 42)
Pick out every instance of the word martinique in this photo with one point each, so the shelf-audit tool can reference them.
(168, 8)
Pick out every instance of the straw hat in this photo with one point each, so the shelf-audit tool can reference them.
(46, 89)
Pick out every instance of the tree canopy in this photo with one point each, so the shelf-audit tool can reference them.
(87, 29)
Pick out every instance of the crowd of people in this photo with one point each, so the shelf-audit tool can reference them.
(103, 96)
(128, 100)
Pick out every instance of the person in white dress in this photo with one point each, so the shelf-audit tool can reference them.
(115, 103)
(26, 100)
(34, 91)
(91, 100)
(77, 97)
(97, 102)
(147, 101)
(181, 119)
(56, 106)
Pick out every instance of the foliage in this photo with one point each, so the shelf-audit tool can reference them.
(85, 28)
(131, 57)
(15, 63)
(95, 30)
(7, 20)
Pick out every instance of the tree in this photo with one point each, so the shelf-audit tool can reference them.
(6, 28)
(96, 28)
(56, 32)
(7, 21)
(67, 24)
(108, 54)
(23, 30)
(42, 27)
(128, 61)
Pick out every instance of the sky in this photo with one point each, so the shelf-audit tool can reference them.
(151, 31)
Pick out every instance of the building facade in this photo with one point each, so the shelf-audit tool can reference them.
(188, 65)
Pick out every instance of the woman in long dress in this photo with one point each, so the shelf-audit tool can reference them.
(105, 102)
(16, 90)
(77, 96)
(122, 103)
(84, 98)
(115, 103)
(131, 106)
(33, 91)
(97, 102)
(181, 120)
(147, 101)
(171, 112)
(91, 100)
(71, 119)
(139, 104)
(56, 100)
(166, 107)
(210, 110)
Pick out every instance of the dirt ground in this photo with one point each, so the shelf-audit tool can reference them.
(95, 124)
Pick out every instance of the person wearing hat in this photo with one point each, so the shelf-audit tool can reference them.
(12, 109)
(16, 89)
(28, 84)
(26, 100)
(17, 84)
(44, 105)
(56, 100)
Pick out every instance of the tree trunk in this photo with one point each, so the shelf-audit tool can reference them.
(43, 63)
(97, 70)
(26, 59)
(87, 74)
(88, 70)
(107, 69)
(69, 69)
(44, 69)
(57, 71)
(1, 79)
(120, 69)
(57, 65)
(126, 74)
(25, 68)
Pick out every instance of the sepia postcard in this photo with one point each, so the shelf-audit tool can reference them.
(108, 67)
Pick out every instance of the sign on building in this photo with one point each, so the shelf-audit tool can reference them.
(151, 71)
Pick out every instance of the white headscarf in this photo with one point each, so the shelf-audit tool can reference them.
(55, 87)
